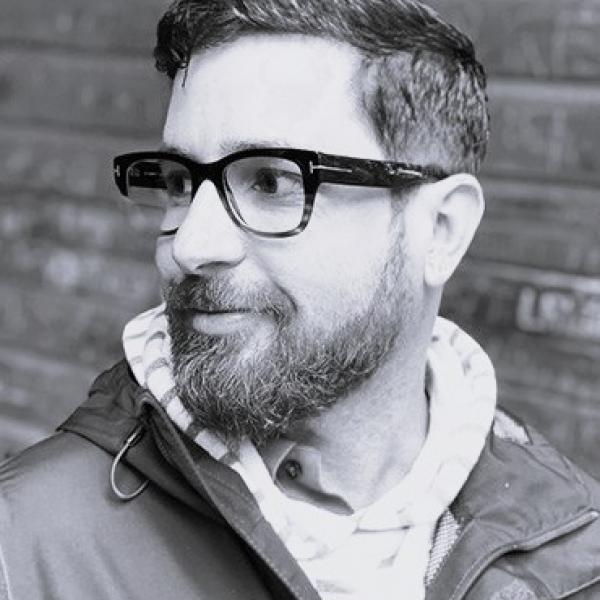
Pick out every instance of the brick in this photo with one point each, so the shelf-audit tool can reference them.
(37, 392)
(545, 131)
(480, 298)
(124, 95)
(538, 132)
(558, 311)
(75, 270)
(16, 434)
(538, 38)
(107, 25)
(95, 224)
(511, 297)
(561, 369)
(73, 164)
(42, 387)
(546, 226)
(83, 329)
(543, 39)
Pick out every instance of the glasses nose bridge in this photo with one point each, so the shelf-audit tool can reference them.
(212, 172)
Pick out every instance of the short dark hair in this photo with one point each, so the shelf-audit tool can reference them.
(421, 85)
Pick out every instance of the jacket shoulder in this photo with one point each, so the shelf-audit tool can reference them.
(556, 550)
(67, 469)
(569, 564)
(51, 490)
(45, 507)
(65, 535)
(512, 429)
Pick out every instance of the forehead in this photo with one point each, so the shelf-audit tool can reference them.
(289, 90)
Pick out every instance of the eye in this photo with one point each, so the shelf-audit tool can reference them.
(265, 181)
(276, 181)
(178, 183)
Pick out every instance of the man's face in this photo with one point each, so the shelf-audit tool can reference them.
(269, 331)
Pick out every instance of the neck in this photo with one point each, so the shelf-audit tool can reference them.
(369, 440)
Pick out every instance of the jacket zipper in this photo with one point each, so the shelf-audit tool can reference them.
(524, 545)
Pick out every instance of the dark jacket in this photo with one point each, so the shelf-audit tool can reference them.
(524, 527)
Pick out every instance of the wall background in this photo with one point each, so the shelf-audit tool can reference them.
(77, 86)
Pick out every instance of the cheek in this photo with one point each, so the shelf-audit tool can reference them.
(417, 238)
(334, 267)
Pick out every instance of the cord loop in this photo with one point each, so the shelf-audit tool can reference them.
(129, 442)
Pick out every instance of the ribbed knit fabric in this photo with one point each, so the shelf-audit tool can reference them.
(381, 551)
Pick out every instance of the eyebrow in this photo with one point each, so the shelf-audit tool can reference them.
(233, 145)
(229, 147)
(174, 150)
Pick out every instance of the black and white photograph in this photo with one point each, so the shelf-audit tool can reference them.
(300, 300)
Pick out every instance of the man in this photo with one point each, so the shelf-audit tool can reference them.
(295, 421)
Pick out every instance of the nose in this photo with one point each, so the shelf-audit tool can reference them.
(207, 239)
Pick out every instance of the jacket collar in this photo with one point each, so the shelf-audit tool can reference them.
(519, 496)
(114, 410)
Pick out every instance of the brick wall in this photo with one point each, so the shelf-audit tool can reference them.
(529, 289)
(77, 86)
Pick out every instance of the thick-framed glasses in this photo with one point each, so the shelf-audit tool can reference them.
(269, 192)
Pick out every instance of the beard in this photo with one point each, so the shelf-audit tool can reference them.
(262, 392)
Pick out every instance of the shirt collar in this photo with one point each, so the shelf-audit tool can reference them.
(275, 453)
(309, 485)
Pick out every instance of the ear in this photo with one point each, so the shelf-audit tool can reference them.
(458, 210)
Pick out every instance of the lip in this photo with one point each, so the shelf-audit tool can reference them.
(223, 321)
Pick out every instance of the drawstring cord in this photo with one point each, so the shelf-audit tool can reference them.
(129, 442)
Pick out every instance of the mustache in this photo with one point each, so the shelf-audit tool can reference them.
(218, 294)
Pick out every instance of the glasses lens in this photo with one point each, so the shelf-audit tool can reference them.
(165, 185)
(266, 192)
(159, 183)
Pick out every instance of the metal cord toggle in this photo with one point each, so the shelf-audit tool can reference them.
(129, 442)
